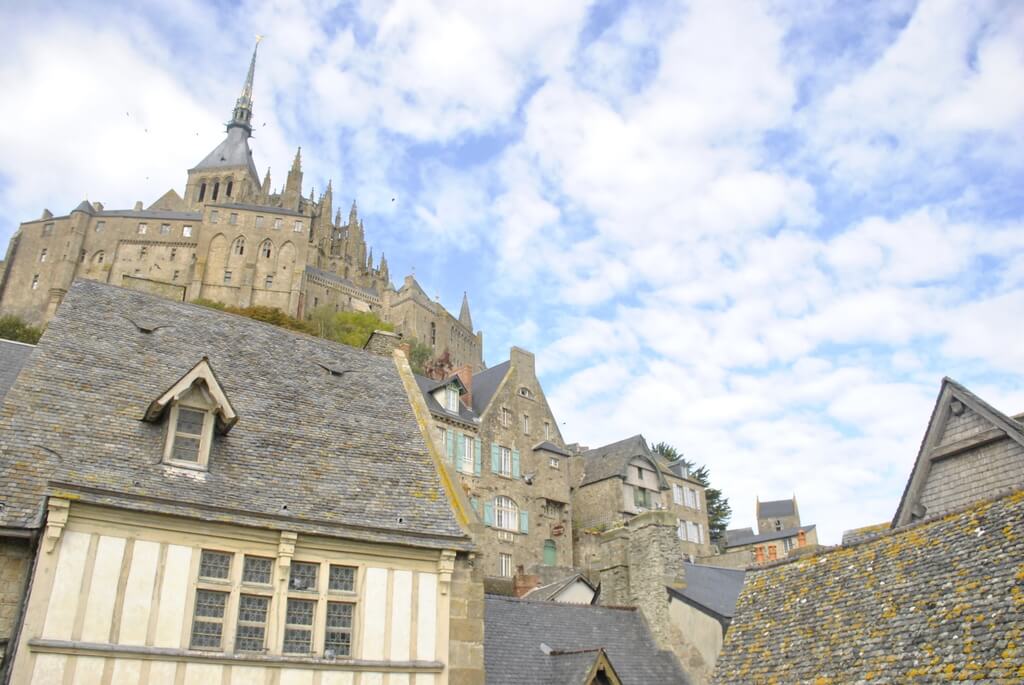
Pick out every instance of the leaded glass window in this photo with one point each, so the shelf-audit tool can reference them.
(252, 623)
(208, 622)
(257, 570)
(303, 576)
(342, 578)
(214, 564)
(298, 632)
(338, 636)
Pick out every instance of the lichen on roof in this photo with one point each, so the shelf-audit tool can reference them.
(938, 601)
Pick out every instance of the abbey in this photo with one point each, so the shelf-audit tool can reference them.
(232, 239)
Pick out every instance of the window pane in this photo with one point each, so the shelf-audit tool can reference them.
(214, 565)
(339, 615)
(185, 449)
(338, 636)
(190, 421)
(342, 578)
(210, 604)
(206, 634)
(303, 576)
(300, 612)
(338, 640)
(297, 641)
(257, 570)
(253, 609)
(249, 638)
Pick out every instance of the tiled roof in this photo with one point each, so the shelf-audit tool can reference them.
(338, 453)
(611, 460)
(855, 535)
(712, 587)
(515, 629)
(428, 386)
(549, 446)
(486, 383)
(551, 590)
(939, 600)
(746, 536)
(773, 508)
(13, 356)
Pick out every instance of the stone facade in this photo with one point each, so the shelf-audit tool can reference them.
(233, 239)
(466, 636)
(15, 561)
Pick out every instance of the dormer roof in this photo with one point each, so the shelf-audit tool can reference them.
(200, 377)
(612, 461)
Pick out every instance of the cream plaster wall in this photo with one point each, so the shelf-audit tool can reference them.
(702, 632)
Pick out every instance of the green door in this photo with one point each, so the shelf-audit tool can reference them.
(550, 555)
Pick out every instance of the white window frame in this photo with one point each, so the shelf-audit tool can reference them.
(505, 461)
(298, 227)
(506, 514)
(197, 400)
(677, 493)
(506, 417)
(143, 227)
(186, 231)
(554, 463)
(466, 459)
(451, 398)
(526, 424)
(505, 565)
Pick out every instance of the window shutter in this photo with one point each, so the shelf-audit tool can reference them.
(524, 521)
(476, 457)
(451, 446)
(460, 450)
(475, 503)
(495, 458)
(488, 513)
(696, 497)
(515, 463)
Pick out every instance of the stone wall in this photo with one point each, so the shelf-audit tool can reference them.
(15, 562)
(466, 634)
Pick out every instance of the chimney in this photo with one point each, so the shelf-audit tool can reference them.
(98, 206)
(465, 374)
(383, 343)
(138, 205)
(523, 583)
(522, 360)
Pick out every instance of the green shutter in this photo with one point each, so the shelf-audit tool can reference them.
(524, 521)
(476, 456)
(495, 458)
(475, 503)
(488, 513)
(451, 446)
(460, 449)
(515, 463)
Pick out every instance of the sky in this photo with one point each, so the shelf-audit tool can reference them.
(761, 232)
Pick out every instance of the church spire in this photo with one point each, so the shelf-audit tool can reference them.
(242, 116)
(464, 317)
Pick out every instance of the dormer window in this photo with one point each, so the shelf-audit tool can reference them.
(451, 398)
(196, 409)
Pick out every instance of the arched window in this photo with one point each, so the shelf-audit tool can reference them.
(265, 249)
(231, 185)
(238, 247)
(99, 257)
(216, 189)
(202, 191)
(506, 513)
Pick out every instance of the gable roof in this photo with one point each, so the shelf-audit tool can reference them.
(746, 536)
(948, 391)
(515, 629)
(429, 385)
(313, 451)
(940, 599)
(13, 355)
(775, 508)
(486, 383)
(612, 460)
(570, 668)
(550, 591)
(549, 446)
(712, 588)
(200, 373)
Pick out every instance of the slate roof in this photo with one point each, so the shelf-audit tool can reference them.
(340, 455)
(515, 629)
(486, 383)
(746, 536)
(775, 508)
(428, 385)
(269, 209)
(550, 591)
(570, 667)
(855, 535)
(13, 356)
(170, 215)
(339, 279)
(233, 151)
(942, 599)
(611, 461)
(711, 587)
(549, 446)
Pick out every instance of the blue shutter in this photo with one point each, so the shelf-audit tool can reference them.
(476, 457)
(451, 446)
(475, 503)
(495, 458)
(515, 463)
(460, 449)
(524, 521)
(488, 513)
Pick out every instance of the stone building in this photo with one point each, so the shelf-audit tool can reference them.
(970, 451)
(779, 535)
(232, 238)
(503, 446)
(620, 480)
(214, 499)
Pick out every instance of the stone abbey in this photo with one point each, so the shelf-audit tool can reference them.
(232, 239)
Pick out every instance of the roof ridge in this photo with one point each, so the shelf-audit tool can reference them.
(551, 602)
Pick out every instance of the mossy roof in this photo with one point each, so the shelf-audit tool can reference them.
(940, 600)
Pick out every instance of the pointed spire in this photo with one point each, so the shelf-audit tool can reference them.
(266, 182)
(297, 162)
(369, 260)
(242, 116)
(464, 318)
(353, 214)
(337, 218)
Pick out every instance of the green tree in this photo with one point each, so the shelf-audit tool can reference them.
(270, 315)
(719, 511)
(419, 356)
(13, 328)
(350, 328)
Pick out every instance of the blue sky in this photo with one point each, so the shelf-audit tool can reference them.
(761, 231)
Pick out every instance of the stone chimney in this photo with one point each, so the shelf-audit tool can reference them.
(522, 360)
(524, 582)
(383, 343)
(637, 564)
(465, 374)
(138, 205)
